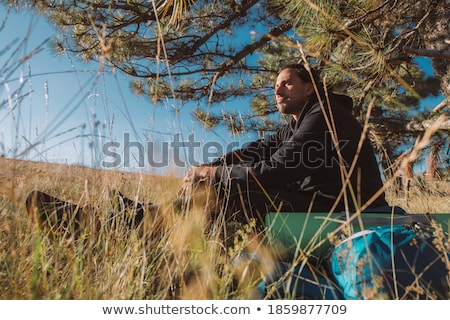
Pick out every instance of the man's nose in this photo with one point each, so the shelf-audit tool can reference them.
(278, 90)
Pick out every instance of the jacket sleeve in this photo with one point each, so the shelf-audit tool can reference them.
(252, 152)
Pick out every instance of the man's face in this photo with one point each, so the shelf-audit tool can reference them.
(291, 92)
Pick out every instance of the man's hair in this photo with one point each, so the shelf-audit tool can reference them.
(303, 73)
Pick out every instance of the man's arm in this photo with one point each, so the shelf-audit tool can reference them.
(252, 153)
(294, 159)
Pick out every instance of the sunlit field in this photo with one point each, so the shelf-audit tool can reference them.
(173, 254)
(172, 257)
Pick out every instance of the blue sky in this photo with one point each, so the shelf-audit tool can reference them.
(69, 110)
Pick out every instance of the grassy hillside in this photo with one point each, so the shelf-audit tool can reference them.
(171, 257)
(17, 178)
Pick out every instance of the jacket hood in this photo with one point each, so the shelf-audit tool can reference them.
(344, 100)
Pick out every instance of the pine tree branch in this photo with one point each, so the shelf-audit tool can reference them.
(444, 103)
(242, 12)
(404, 126)
(424, 125)
(437, 54)
(249, 49)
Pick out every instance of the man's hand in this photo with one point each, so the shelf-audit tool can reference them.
(196, 175)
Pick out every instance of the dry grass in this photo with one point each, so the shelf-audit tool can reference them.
(423, 197)
(174, 258)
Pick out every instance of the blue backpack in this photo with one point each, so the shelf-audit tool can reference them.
(392, 262)
(397, 256)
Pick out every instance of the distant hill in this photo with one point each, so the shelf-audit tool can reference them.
(19, 177)
(87, 185)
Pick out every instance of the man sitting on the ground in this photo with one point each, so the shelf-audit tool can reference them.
(319, 161)
(315, 163)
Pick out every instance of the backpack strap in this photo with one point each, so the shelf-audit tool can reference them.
(386, 209)
(394, 219)
(390, 215)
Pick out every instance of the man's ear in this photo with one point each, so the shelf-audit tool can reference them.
(310, 89)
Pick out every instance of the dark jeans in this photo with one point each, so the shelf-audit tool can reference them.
(243, 201)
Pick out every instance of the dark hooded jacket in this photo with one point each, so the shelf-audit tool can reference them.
(314, 154)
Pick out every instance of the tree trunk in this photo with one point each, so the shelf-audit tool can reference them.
(437, 37)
